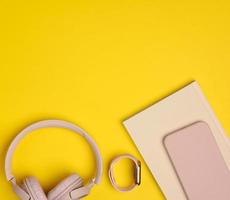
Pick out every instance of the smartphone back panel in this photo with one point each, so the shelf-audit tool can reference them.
(198, 162)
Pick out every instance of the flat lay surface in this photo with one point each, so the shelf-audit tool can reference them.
(96, 64)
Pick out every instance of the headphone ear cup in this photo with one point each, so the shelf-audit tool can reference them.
(63, 189)
(33, 188)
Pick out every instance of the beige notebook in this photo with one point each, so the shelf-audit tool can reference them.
(150, 126)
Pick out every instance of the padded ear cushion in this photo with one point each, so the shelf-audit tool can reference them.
(33, 188)
(63, 189)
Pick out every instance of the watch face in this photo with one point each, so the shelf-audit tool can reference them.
(138, 174)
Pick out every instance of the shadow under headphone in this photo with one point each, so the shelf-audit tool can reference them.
(71, 188)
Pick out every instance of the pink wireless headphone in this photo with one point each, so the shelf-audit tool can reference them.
(71, 188)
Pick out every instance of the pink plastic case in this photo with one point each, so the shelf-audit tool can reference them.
(198, 162)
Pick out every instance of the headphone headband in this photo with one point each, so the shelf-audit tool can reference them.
(47, 124)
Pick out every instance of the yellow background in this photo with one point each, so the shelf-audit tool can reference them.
(96, 63)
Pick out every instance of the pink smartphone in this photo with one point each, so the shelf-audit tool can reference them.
(198, 162)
